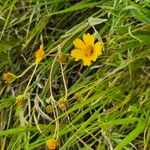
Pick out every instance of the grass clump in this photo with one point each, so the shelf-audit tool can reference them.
(54, 102)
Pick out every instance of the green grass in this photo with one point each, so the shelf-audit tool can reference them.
(107, 105)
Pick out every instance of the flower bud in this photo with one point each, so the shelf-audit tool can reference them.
(51, 144)
(63, 104)
(49, 109)
(20, 100)
(9, 77)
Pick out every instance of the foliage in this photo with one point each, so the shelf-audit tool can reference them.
(104, 106)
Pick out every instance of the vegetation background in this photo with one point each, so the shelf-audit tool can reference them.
(104, 106)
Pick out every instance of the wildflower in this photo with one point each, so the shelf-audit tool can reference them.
(86, 50)
(63, 104)
(20, 100)
(49, 108)
(40, 54)
(9, 77)
(51, 144)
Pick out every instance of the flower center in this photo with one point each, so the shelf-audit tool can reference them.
(89, 51)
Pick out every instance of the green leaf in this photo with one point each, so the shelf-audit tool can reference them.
(132, 135)
(95, 21)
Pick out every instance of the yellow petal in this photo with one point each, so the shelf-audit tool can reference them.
(97, 51)
(40, 54)
(37, 60)
(42, 47)
(77, 54)
(98, 48)
(88, 39)
(79, 44)
(87, 61)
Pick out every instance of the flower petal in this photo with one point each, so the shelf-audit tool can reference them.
(98, 48)
(77, 54)
(97, 51)
(79, 44)
(86, 61)
(88, 39)
(41, 47)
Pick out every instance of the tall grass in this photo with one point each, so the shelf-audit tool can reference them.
(104, 106)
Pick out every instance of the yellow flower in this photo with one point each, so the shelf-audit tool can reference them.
(40, 54)
(51, 144)
(86, 50)
(9, 77)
